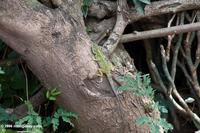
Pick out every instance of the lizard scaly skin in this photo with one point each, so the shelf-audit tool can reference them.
(105, 66)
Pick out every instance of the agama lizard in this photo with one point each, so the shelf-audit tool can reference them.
(105, 66)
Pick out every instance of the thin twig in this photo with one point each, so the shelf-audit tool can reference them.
(176, 49)
(162, 85)
(170, 38)
(165, 69)
(171, 99)
(160, 32)
(197, 60)
(26, 79)
(148, 50)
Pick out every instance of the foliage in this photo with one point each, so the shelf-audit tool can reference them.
(1, 93)
(35, 120)
(38, 123)
(137, 86)
(52, 94)
(1, 71)
(12, 78)
(60, 113)
(32, 118)
(85, 7)
(140, 86)
(4, 117)
(140, 5)
(154, 124)
(88, 29)
(3, 130)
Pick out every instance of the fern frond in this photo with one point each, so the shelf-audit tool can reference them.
(85, 7)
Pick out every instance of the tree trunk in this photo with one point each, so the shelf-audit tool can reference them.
(54, 44)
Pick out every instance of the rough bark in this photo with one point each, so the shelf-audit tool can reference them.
(54, 44)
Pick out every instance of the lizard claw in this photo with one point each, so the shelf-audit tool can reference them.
(100, 80)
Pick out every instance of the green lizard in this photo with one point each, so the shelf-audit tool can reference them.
(105, 66)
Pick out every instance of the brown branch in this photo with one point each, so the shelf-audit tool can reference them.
(157, 75)
(148, 50)
(160, 32)
(175, 56)
(191, 66)
(170, 38)
(14, 28)
(166, 71)
(176, 49)
(165, 7)
(188, 42)
(172, 87)
(101, 9)
(121, 23)
(154, 9)
(197, 60)
(185, 110)
(164, 89)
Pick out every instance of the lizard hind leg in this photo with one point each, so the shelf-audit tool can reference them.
(100, 74)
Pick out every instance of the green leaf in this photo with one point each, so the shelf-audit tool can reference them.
(3, 115)
(1, 71)
(155, 129)
(163, 109)
(85, 7)
(22, 120)
(46, 121)
(56, 92)
(51, 98)
(154, 124)
(3, 130)
(165, 125)
(67, 120)
(52, 94)
(66, 116)
(143, 120)
(32, 118)
(38, 121)
(140, 86)
(36, 130)
(55, 123)
(71, 114)
(56, 115)
(47, 94)
(29, 106)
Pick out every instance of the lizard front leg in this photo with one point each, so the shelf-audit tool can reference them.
(100, 74)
